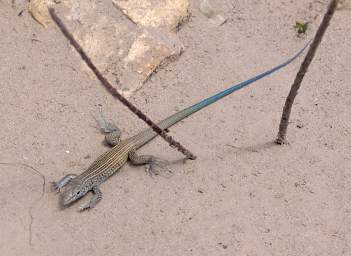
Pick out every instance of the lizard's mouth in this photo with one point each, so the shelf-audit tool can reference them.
(67, 199)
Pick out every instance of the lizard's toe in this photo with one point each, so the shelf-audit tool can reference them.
(55, 187)
(84, 207)
(157, 166)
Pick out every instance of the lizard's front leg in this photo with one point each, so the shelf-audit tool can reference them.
(63, 182)
(114, 137)
(113, 133)
(97, 196)
(149, 160)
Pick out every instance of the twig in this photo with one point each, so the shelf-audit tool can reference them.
(115, 93)
(284, 122)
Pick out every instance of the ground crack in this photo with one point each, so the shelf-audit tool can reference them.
(30, 209)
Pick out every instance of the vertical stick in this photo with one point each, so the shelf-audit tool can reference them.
(284, 122)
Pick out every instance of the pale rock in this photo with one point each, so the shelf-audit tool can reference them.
(125, 54)
(155, 13)
(150, 50)
(39, 11)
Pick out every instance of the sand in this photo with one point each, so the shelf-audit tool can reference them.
(242, 196)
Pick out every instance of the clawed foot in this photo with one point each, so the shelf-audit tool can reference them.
(97, 196)
(55, 187)
(103, 125)
(84, 207)
(157, 166)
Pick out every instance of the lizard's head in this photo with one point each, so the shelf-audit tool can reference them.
(73, 193)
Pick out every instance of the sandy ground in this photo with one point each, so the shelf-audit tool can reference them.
(242, 196)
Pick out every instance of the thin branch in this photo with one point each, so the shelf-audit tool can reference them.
(284, 122)
(115, 93)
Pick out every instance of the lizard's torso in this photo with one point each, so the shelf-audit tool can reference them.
(106, 165)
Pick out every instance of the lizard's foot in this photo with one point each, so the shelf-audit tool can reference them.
(111, 131)
(103, 125)
(55, 187)
(157, 166)
(151, 163)
(97, 196)
(84, 207)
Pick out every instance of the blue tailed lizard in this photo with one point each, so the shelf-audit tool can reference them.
(76, 186)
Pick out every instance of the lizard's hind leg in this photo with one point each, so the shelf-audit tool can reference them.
(150, 161)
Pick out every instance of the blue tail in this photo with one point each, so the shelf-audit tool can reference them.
(149, 134)
(236, 87)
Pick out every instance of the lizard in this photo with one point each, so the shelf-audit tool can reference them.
(76, 186)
